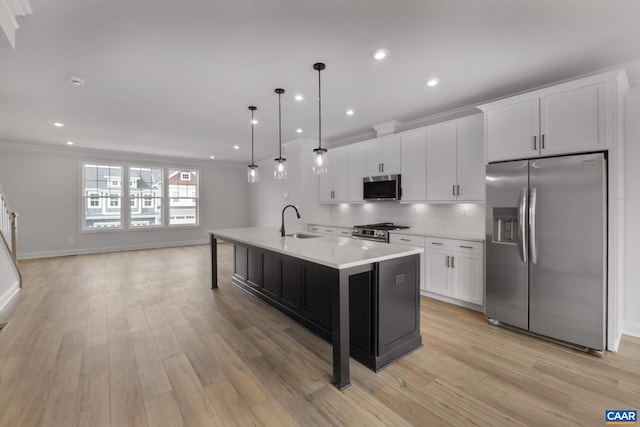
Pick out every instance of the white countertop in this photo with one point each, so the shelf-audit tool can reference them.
(443, 234)
(331, 251)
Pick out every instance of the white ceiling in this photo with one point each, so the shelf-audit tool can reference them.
(176, 77)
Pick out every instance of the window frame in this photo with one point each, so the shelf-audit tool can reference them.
(103, 195)
(126, 220)
(169, 199)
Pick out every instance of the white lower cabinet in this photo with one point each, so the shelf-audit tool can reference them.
(329, 230)
(452, 270)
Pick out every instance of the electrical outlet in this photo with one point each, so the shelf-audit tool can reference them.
(465, 213)
(70, 241)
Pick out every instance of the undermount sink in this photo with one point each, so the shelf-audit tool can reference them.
(302, 236)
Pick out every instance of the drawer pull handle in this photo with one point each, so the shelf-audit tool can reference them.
(436, 243)
(405, 240)
(466, 247)
(328, 231)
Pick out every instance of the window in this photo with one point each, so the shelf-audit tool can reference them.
(183, 205)
(146, 196)
(102, 207)
(105, 194)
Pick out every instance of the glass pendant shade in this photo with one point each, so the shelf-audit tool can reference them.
(319, 154)
(280, 169)
(320, 160)
(252, 174)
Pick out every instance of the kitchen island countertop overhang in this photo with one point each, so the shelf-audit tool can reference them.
(362, 296)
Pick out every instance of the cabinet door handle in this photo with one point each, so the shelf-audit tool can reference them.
(453, 190)
(452, 260)
(436, 243)
(466, 247)
(381, 167)
(458, 190)
(543, 141)
(448, 261)
(535, 142)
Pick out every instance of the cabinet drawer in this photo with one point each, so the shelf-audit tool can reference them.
(344, 232)
(453, 245)
(314, 228)
(405, 239)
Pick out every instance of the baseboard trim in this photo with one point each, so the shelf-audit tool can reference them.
(630, 327)
(453, 301)
(8, 295)
(104, 249)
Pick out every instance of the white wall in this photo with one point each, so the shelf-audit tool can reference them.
(43, 186)
(301, 188)
(631, 315)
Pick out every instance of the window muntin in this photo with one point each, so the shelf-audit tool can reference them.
(183, 204)
(145, 193)
(102, 199)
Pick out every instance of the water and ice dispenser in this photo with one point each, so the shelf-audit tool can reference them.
(505, 225)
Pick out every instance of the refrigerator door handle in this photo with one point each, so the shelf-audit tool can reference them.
(533, 236)
(522, 226)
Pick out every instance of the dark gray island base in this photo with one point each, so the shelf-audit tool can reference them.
(370, 311)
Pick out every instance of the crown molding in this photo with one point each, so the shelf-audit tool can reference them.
(76, 151)
(9, 10)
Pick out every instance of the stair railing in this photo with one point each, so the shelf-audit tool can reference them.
(9, 227)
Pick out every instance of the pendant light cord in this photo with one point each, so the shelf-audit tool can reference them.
(280, 122)
(252, 125)
(319, 112)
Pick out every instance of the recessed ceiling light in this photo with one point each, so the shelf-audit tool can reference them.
(433, 82)
(254, 121)
(76, 81)
(212, 157)
(70, 142)
(379, 54)
(298, 97)
(350, 112)
(299, 130)
(58, 124)
(236, 147)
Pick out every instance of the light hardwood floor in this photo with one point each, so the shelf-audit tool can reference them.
(139, 339)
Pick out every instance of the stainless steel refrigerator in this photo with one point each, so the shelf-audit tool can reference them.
(546, 263)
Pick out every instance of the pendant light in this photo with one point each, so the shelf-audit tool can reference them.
(280, 170)
(252, 173)
(319, 154)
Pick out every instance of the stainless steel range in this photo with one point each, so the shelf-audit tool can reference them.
(375, 232)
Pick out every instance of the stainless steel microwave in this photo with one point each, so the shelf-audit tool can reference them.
(384, 187)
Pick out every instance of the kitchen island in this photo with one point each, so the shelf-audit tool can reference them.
(361, 296)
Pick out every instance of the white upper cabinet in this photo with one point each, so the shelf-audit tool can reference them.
(572, 117)
(574, 121)
(357, 171)
(512, 131)
(414, 171)
(332, 184)
(383, 157)
(441, 164)
(471, 167)
(455, 161)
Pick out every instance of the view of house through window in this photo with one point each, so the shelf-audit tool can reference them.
(104, 186)
(146, 196)
(101, 198)
(183, 190)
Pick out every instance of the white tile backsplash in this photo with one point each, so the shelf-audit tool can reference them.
(465, 217)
